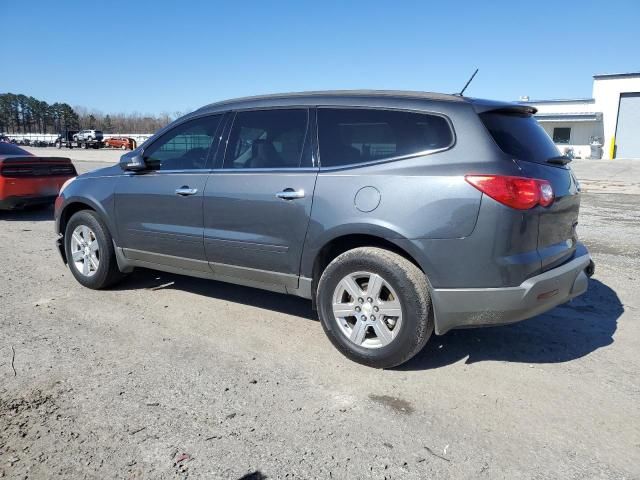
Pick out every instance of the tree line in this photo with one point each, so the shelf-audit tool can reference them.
(24, 114)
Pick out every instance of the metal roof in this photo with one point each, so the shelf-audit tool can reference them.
(569, 117)
(560, 100)
(616, 75)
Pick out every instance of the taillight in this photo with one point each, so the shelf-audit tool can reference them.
(16, 171)
(39, 170)
(515, 192)
(546, 193)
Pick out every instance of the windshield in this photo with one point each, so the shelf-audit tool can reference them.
(520, 135)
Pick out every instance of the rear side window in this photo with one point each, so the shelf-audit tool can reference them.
(520, 136)
(352, 136)
(267, 139)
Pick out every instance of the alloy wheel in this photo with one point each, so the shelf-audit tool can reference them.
(85, 251)
(367, 309)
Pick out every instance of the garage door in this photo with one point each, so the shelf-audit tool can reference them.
(627, 138)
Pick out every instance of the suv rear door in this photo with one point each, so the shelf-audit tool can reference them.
(519, 135)
(257, 203)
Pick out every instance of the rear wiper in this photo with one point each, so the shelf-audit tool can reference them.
(559, 160)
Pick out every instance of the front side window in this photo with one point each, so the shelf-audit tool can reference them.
(185, 147)
(562, 135)
(266, 139)
(352, 136)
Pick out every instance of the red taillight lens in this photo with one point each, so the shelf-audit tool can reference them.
(16, 171)
(515, 192)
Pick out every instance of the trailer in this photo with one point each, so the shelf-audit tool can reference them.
(68, 139)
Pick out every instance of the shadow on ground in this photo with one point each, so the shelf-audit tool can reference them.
(28, 214)
(257, 475)
(277, 302)
(565, 333)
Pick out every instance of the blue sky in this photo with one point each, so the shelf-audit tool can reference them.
(155, 56)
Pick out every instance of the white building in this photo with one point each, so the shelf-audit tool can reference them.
(611, 117)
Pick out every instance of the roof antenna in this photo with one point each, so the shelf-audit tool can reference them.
(467, 84)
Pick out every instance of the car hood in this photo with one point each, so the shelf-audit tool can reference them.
(109, 171)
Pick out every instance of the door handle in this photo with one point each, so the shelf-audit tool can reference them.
(290, 194)
(185, 191)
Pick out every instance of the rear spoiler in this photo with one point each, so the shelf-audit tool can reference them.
(22, 159)
(484, 106)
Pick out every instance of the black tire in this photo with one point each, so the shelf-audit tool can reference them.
(107, 273)
(410, 285)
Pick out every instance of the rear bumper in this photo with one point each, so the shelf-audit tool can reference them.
(25, 191)
(18, 201)
(476, 307)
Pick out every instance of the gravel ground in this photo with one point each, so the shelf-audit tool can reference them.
(174, 377)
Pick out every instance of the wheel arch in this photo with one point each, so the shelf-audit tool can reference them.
(339, 244)
(74, 205)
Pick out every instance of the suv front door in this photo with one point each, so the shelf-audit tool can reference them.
(257, 205)
(159, 210)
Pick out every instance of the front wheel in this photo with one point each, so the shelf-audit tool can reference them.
(90, 252)
(375, 307)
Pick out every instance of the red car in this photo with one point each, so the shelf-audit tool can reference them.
(29, 180)
(120, 142)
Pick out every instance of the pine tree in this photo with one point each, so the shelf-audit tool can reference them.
(107, 126)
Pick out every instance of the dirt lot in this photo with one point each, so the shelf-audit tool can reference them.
(169, 377)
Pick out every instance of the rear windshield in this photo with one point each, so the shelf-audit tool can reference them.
(520, 135)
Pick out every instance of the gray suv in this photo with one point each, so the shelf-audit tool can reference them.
(397, 213)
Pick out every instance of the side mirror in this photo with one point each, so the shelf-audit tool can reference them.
(133, 162)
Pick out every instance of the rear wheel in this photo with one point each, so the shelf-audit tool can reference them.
(90, 252)
(375, 307)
